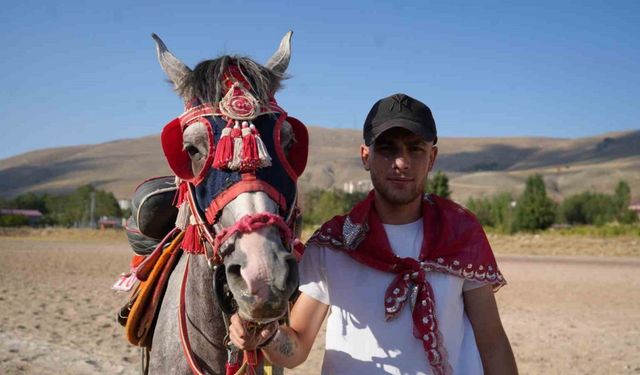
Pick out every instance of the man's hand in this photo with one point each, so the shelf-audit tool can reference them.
(247, 336)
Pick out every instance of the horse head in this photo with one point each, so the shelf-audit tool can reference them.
(237, 156)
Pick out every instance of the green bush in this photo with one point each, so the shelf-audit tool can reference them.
(319, 205)
(68, 210)
(534, 210)
(495, 212)
(439, 185)
(588, 209)
(13, 221)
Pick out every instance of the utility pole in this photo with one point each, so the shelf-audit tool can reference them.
(92, 210)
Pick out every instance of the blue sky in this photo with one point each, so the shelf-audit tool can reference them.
(79, 72)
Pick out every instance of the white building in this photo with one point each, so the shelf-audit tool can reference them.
(363, 186)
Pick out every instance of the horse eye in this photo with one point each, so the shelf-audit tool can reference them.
(192, 150)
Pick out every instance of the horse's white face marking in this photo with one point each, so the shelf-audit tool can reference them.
(254, 267)
(195, 140)
(245, 204)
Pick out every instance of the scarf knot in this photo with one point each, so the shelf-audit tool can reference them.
(410, 284)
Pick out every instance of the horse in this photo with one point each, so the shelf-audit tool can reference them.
(236, 156)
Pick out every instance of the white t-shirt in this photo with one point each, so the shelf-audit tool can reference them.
(358, 339)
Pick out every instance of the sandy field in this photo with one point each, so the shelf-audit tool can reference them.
(571, 308)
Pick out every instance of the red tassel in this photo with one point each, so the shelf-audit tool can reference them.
(236, 136)
(224, 149)
(250, 156)
(180, 194)
(191, 242)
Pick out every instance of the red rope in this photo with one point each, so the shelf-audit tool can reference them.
(250, 223)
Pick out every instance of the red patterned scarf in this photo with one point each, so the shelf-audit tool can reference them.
(454, 243)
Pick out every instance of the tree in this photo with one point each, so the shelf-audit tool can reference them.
(622, 195)
(74, 208)
(439, 185)
(30, 201)
(621, 199)
(534, 210)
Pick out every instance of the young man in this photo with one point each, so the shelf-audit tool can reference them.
(408, 278)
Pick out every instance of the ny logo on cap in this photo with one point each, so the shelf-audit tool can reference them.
(401, 100)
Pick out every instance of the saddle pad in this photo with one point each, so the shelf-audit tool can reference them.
(142, 318)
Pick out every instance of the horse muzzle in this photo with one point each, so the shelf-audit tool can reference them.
(262, 276)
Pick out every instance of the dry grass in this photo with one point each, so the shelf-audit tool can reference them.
(63, 234)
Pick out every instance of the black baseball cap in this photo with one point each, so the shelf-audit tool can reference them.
(403, 111)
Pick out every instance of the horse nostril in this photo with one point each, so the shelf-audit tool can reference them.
(234, 276)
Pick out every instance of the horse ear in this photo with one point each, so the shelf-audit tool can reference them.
(175, 69)
(280, 60)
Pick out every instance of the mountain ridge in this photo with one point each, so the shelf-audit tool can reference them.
(475, 166)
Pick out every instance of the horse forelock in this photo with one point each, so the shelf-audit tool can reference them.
(206, 81)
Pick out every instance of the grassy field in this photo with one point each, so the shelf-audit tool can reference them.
(614, 241)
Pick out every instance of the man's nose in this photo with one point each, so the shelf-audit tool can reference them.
(402, 160)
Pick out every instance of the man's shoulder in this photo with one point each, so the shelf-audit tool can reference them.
(330, 234)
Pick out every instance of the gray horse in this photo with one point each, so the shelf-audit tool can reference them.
(259, 267)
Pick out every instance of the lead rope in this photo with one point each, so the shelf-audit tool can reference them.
(182, 323)
(230, 367)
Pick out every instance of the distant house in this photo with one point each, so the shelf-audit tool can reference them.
(33, 216)
(109, 222)
(635, 207)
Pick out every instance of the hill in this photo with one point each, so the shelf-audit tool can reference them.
(475, 166)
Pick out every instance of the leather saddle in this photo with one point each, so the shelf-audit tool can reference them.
(152, 236)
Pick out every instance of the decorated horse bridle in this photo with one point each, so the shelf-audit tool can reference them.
(240, 153)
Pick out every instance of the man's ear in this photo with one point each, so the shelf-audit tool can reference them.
(364, 156)
(434, 155)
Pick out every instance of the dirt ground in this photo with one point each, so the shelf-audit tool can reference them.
(564, 313)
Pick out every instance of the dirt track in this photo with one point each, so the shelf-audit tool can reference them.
(564, 315)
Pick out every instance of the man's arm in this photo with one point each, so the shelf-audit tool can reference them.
(493, 344)
(291, 345)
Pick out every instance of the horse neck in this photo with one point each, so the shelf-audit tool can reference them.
(207, 329)
(205, 325)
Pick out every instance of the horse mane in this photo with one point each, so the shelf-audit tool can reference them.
(205, 81)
